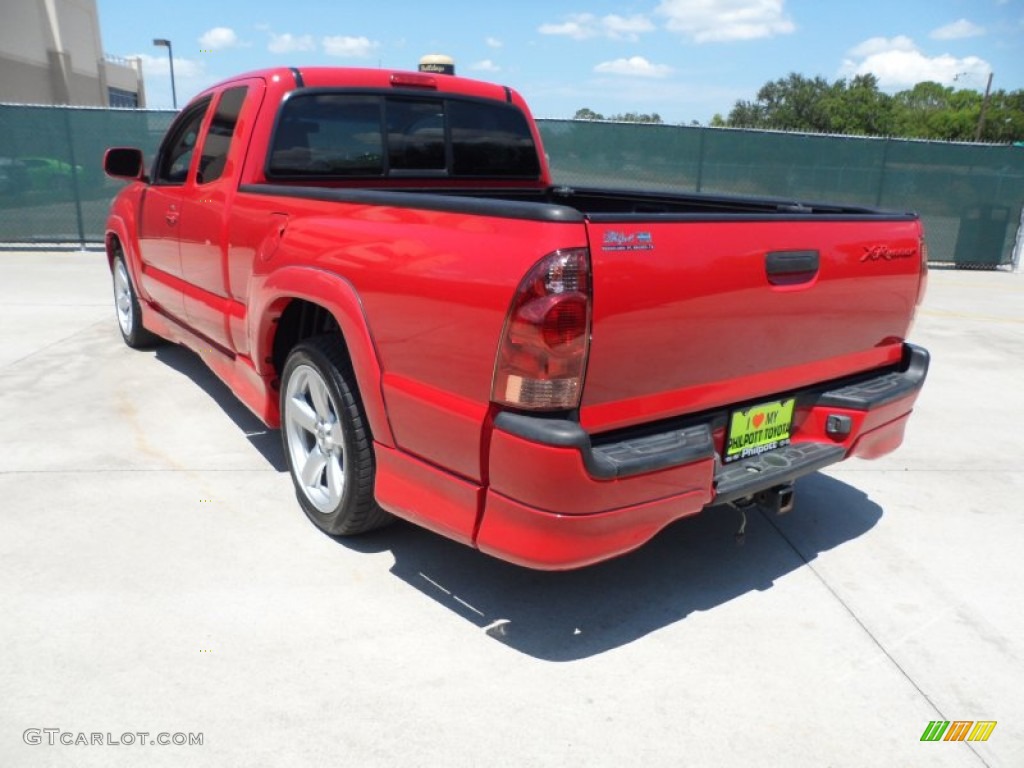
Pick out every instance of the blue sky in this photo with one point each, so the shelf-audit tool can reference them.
(684, 59)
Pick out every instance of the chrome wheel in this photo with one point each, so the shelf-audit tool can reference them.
(123, 298)
(315, 439)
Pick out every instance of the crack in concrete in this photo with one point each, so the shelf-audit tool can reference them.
(871, 635)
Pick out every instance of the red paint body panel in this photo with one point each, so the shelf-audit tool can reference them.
(809, 424)
(433, 423)
(535, 539)
(160, 258)
(688, 322)
(698, 316)
(426, 495)
(557, 481)
(882, 440)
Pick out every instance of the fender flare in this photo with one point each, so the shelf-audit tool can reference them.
(118, 227)
(270, 294)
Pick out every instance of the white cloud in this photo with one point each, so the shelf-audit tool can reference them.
(714, 21)
(190, 77)
(877, 45)
(349, 47)
(626, 28)
(579, 26)
(485, 66)
(493, 42)
(637, 66)
(957, 30)
(898, 63)
(289, 43)
(218, 38)
(584, 26)
(158, 66)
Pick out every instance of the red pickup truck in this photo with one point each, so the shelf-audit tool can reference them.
(379, 263)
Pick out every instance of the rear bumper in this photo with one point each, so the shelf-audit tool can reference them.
(560, 499)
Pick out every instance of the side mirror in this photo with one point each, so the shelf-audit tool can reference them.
(123, 163)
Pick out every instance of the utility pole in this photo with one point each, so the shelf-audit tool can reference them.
(984, 108)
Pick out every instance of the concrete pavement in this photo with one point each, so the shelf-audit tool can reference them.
(157, 575)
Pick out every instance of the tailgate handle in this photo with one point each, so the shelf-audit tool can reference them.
(791, 267)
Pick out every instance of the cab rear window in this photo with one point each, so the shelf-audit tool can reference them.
(328, 135)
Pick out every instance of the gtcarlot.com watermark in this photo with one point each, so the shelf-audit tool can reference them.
(54, 737)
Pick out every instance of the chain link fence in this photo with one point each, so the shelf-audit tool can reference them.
(970, 196)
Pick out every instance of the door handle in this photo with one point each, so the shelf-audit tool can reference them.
(171, 217)
(791, 267)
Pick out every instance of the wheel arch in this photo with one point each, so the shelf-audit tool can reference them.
(117, 237)
(117, 240)
(113, 245)
(297, 303)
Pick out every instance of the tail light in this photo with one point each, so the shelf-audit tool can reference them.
(922, 284)
(543, 350)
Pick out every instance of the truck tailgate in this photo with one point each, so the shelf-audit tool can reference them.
(695, 314)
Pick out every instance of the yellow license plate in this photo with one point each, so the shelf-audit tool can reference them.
(759, 429)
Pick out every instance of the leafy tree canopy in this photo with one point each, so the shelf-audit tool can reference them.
(926, 111)
(628, 117)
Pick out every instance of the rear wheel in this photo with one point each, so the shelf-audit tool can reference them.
(327, 442)
(126, 305)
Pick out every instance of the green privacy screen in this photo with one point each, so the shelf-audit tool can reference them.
(970, 196)
(52, 188)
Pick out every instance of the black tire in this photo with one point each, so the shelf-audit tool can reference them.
(127, 309)
(337, 496)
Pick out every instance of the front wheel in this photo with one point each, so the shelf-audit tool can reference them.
(327, 443)
(126, 305)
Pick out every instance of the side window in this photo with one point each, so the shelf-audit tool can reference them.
(219, 135)
(328, 135)
(177, 149)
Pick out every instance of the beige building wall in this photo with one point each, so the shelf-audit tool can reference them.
(51, 53)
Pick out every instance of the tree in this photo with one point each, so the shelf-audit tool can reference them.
(634, 117)
(858, 107)
(629, 117)
(746, 114)
(1005, 122)
(929, 110)
(793, 103)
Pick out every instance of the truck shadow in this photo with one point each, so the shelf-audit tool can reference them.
(188, 363)
(693, 565)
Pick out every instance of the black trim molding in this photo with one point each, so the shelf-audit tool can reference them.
(508, 209)
(882, 390)
(613, 460)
